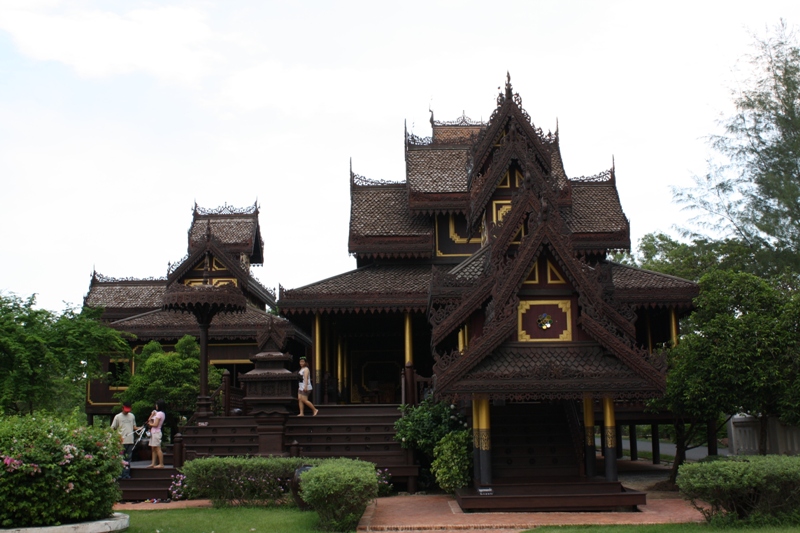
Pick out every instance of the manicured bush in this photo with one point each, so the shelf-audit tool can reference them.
(242, 481)
(339, 491)
(751, 489)
(56, 471)
(452, 463)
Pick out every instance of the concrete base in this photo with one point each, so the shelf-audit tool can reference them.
(117, 522)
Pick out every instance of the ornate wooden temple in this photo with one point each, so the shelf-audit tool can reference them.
(483, 279)
(488, 269)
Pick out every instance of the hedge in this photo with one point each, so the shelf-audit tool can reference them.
(754, 489)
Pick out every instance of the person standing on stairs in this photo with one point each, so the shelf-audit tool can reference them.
(156, 421)
(125, 424)
(305, 388)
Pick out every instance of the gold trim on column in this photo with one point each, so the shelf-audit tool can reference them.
(409, 347)
(484, 440)
(609, 423)
(460, 340)
(611, 437)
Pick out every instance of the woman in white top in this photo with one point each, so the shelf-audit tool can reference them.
(304, 388)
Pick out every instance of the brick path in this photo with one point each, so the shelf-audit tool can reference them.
(441, 513)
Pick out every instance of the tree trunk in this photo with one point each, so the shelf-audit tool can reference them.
(763, 432)
(680, 450)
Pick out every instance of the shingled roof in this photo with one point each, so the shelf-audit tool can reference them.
(377, 287)
(124, 297)
(640, 286)
(169, 325)
(236, 229)
(557, 372)
(382, 224)
(437, 170)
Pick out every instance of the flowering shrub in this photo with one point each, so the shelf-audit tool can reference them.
(385, 486)
(178, 487)
(56, 471)
(423, 426)
(242, 481)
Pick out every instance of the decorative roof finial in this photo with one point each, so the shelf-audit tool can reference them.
(509, 90)
(431, 111)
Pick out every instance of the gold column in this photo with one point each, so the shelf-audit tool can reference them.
(408, 340)
(339, 364)
(484, 440)
(673, 322)
(461, 343)
(610, 431)
(317, 358)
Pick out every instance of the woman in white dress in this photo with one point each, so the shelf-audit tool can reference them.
(304, 388)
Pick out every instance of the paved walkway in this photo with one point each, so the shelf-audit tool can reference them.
(441, 513)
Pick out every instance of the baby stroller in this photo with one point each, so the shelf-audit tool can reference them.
(128, 452)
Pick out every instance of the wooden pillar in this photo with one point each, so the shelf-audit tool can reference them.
(317, 358)
(203, 401)
(589, 448)
(634, 444)
(408, 367)
(610, 447)
(620, 449)
(656, 444)
(482, 439)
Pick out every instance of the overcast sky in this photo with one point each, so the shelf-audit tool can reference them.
(117, 116)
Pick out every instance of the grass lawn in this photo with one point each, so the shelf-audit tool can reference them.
(224, 520)
(292, 520)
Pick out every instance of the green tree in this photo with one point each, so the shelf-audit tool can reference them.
(170, 376)
(46, 358)
(739, 355)
(751, 193)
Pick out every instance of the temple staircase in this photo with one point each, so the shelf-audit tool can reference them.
(363, 432)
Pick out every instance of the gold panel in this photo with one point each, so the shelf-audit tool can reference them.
(499, 210)
(216, 265)
(525, 305)
(453, 235)
(505, 183)
(553, 277)
(216, 282)
(458, 239)
(535, 272)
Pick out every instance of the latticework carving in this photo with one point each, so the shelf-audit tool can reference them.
(100, 278)
(226, 210)
(361, 181)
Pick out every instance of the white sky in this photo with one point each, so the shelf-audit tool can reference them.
(116, 116)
